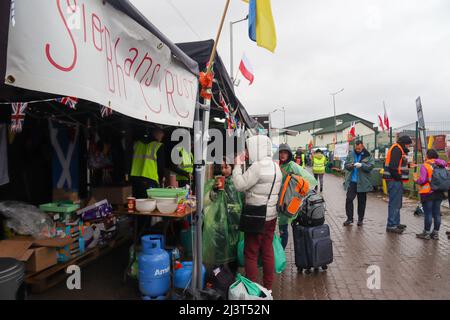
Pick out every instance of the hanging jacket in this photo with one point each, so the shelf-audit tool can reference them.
(319, 163)
(257, 180)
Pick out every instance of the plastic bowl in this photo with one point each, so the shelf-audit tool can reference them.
(156, 193)
(167, 206)
(145, 205)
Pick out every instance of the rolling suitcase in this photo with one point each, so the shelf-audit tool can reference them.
(313, 247)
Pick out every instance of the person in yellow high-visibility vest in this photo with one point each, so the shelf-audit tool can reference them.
(319, 162)
(147, 168)
(186, 167)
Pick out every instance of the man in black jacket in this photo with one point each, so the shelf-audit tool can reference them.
(396, 172)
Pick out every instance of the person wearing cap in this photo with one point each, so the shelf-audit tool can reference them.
(288, 166)
(396, 172)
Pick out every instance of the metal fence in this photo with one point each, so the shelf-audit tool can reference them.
(378, 143)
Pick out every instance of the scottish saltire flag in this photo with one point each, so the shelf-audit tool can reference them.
(70, 102)
(261, 26)
(18, 116)
(106, 112)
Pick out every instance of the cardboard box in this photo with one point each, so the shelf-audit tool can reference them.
(17, 249)
(38, 255)
(63, 195)
(115, 195)
(41, 259)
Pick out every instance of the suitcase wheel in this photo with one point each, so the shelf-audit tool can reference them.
(316, 269)
(300, 270)
(308, 271)
(325, 267)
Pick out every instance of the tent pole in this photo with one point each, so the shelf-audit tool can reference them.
(198, 172)
(200, 150)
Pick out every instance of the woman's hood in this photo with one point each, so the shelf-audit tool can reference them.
(259, 147)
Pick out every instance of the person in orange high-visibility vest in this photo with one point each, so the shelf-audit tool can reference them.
(431, 199)
(396, 172)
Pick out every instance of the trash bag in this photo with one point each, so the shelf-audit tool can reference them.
(26, 219)
(278, 252)
(244, 289)
(220, 223)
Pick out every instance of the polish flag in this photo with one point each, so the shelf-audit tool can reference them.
(386, 119)
(352, 132)
(381, 124)
(246, 69)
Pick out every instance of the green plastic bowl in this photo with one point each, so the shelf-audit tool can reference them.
(166, 193)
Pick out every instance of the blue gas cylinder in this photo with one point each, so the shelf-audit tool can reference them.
(182, 277)
(154, 268)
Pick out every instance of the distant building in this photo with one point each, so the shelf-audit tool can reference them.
(321, 131)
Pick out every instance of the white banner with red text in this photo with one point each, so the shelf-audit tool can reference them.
(89, 50)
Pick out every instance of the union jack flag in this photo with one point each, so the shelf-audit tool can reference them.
(106, 112)
(70, 102)
(230, 118)
(18, 116)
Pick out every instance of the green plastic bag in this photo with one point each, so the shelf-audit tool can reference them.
(278, 252)
(220, 223)
(250, 286)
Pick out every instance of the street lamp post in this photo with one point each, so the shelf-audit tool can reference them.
(334, 107)
(284, 119)
(231, 47)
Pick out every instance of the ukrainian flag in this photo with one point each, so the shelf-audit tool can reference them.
(261, 24)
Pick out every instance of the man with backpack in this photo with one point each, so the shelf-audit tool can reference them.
(358, 166)
(433, 181)
(288, 166)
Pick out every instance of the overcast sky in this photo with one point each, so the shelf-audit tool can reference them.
(391, 50)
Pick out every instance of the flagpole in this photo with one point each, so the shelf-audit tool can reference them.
(219, 32)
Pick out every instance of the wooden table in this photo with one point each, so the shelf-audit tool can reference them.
(156, 213)
(167, 219)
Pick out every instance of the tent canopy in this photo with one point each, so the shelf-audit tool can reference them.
(200, 51)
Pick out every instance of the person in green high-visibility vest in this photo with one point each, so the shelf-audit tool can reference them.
(147, 168)
(186, 167)
(319, 163)
(300, 158)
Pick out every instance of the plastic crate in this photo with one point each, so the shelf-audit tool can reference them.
(59, 207)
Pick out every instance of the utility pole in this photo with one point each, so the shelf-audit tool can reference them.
(334, 108)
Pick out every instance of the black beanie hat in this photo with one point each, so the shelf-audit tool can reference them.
(404, 140)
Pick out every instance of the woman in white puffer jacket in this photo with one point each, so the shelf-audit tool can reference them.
(257, 182)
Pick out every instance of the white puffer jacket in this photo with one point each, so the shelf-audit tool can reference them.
(257, 180)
